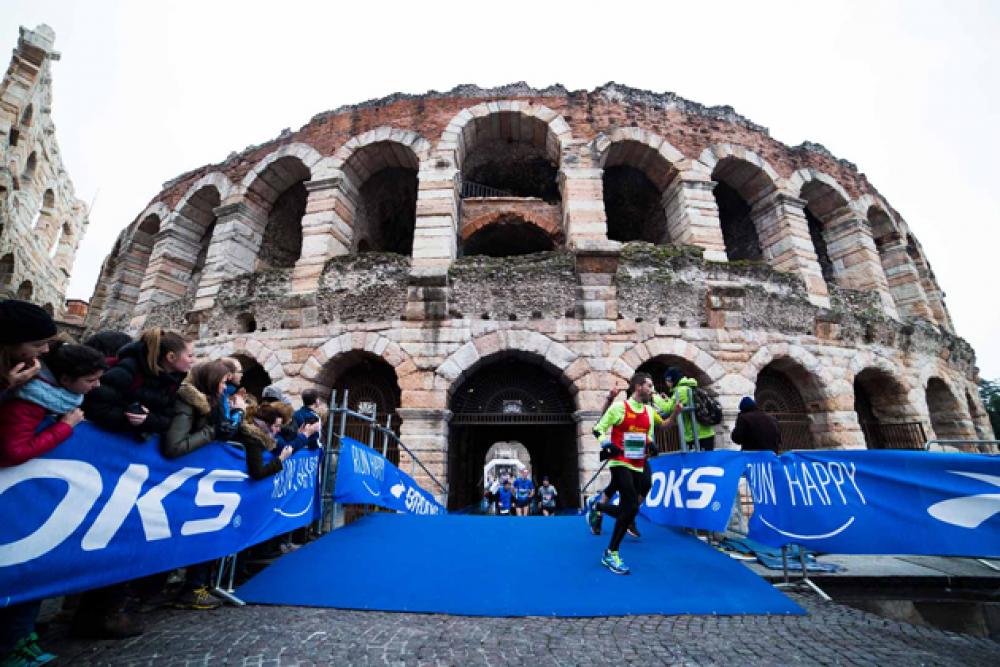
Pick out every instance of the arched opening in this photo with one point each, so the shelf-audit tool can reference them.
(509, 166)
(976, 416)
(947, 418)
(504, 459)
(28, 115)
(28, 175)
(246, 322)
(884, 414)
(822, 201)
(509, 236)
(25, 291)
(927, 281)
(511, 398)
(778, 393)
(886, 236)
(281, 246)
(255, 378)
(668, 440)
(634, 179)
(49, 308)
(7, 270)
(385, 174)
(43, 218)
(199, 211)
(372, 388)
(739, 184)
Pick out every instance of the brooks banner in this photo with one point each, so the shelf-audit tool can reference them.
(696, 490)
(845, 502)
(878, 502)
(366, 477)
(102, 508)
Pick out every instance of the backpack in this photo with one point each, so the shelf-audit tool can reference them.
(706, 409)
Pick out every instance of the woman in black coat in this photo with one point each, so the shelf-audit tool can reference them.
(137, 394)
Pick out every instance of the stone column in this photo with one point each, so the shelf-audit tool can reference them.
(171, 263)
(584, 220)
(903, 279)
(693, 216)
(425, 432)
(785, 241)
(435, 240)
(327, 229)
(239, 229)
(854, 256)
(596, 294)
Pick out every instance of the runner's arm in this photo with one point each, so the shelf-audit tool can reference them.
(612, 417)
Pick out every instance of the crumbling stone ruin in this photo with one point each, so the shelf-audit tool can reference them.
(484, 265)
(41, 220)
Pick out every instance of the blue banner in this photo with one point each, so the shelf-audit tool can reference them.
(103, 508)
(366, 477)
(695, 490)
(878, 502)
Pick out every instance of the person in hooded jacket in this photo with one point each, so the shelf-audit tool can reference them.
(755, 430)
(681, 391)
(137, 394)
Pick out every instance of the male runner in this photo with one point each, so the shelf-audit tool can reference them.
(547, 495)
(625, 431)
(662, 420)
(524, 491)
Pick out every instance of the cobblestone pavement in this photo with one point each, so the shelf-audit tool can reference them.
(831, 634)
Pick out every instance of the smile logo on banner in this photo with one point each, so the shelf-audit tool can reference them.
(397, 490)
(968, 511)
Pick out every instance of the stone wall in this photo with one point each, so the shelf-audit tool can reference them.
(528, 287)
(41, 220)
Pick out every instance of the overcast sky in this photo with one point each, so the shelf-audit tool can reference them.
(908, 91)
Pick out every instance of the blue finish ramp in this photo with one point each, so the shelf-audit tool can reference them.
(510, 566)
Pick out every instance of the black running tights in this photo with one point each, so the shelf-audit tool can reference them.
(628, 483)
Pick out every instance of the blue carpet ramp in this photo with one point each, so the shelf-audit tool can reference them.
(510, 566)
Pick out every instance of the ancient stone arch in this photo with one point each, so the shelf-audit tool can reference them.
(630, 360)
(822, 380)
(550, 227)
(461, 132)
(261, 189)
(371, 343)
(257, 349)
(900, 271)
(638, 168)
(216, 179)
(337, 162)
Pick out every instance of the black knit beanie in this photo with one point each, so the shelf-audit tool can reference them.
(23, 322)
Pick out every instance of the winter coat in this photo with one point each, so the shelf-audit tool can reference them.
(28, 407)
(193, 426)
(132, 381)
(683, 392)
(756, 430)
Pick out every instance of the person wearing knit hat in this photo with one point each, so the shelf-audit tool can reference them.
(755, 430)
(25, 332)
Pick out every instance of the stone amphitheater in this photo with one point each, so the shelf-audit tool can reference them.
(482, 265)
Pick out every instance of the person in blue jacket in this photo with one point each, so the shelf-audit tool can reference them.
(307, 415)
(505, 499)
(524, 491)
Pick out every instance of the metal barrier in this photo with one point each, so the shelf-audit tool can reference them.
(983, 446)
(335, 515)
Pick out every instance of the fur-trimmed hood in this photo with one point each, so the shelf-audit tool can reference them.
(195, 398)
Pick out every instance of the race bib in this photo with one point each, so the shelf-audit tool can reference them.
(635, 445)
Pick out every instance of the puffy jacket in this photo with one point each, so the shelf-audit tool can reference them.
(19, 442)
(132, 381)
(193, 426)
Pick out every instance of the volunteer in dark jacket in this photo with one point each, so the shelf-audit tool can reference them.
(756, 430)
(137, 394)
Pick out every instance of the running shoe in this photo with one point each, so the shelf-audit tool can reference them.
(633, 531)
(594, 516)
(613, 562)
(28, 652)
(198, 598)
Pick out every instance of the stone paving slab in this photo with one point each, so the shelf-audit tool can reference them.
(916, 567)
(831, 634)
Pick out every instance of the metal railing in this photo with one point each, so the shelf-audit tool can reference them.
(983, 446)
(333, 514)
(908, 435)
(470, 189)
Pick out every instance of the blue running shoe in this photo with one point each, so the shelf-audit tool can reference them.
(594, 516)
(613, 562)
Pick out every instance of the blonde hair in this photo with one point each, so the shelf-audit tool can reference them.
(158, 343)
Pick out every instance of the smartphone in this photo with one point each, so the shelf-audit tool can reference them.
(135, 409)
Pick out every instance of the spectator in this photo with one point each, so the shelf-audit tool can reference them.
(681, 389)
(755, 430)
(137, 394)
(108, 343)
(25, 333)
(505, 499)
(272, 394)
(524, 491)
(547, 497)
(57, 390)
(307, 414)
(68, 372)
(233, 382)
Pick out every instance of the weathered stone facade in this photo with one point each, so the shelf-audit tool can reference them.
(585, 234)
(41, 220)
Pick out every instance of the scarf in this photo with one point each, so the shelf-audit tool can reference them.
(44, 391)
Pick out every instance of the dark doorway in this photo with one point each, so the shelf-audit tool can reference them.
(512, 399)
(255, 378)
(778, 395)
